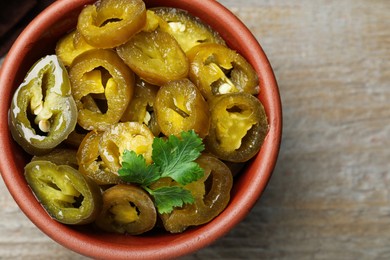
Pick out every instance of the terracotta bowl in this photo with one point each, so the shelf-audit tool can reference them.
(39, 39)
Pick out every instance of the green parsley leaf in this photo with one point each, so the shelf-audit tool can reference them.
(166, 198)
(175, 157)
(135, 170)
(172, 158)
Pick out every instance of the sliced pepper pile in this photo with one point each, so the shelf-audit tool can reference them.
(126, 75)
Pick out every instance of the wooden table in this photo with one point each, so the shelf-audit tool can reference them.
(329, 197)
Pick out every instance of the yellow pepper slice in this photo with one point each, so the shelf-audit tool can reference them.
(102, 86)
(110, 23)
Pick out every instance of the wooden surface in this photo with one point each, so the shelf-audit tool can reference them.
(329, 197)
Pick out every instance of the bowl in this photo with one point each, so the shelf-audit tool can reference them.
(39, 38)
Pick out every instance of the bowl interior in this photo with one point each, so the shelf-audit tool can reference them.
(39, 39)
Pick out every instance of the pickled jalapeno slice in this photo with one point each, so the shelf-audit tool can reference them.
(238, 127)
(67, 195)
(216, 70)
(110, 23)
(43, 112)
(102, 86)
(70, 46)
(155, 56)
(180, 106)
(187, 29)
(127, 209)
(123, 136)
(90, 162)
(59, 156)
(211, 193)
(141, 105)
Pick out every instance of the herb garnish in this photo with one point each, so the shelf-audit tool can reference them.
(172, 158)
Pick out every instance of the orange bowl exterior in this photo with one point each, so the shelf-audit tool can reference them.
(39, 38)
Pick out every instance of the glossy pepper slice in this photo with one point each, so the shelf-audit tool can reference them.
(238, 127)
(70, 46)
(211, 194)
(152, 21)
(187, 29)
(127, 209)
(125, 136)
(141, 105)
(65, 193)
(181, 107)
(155, 56)
(60, 156)
(102, 86)
(90, 162)
(110, 23)
(43, 112)
(215, 69)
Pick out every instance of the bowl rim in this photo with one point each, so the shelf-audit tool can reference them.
(193, 239)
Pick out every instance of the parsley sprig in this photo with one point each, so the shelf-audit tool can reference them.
(173, 157)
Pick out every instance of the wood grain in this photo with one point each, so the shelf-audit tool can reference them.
(329, 196)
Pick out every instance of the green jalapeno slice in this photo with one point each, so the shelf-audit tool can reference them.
(215, 69)
(238, 127)
(127, 209)
(152, 21)
(180, 106)
(155, 56)
(102, 86)
(59, 156)
(187, 29)
(110, 23)
(125, 136)
(211, 193)
(90, 162)
(70, 46)
(141, 105)
(67, 195)
(43, 112)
